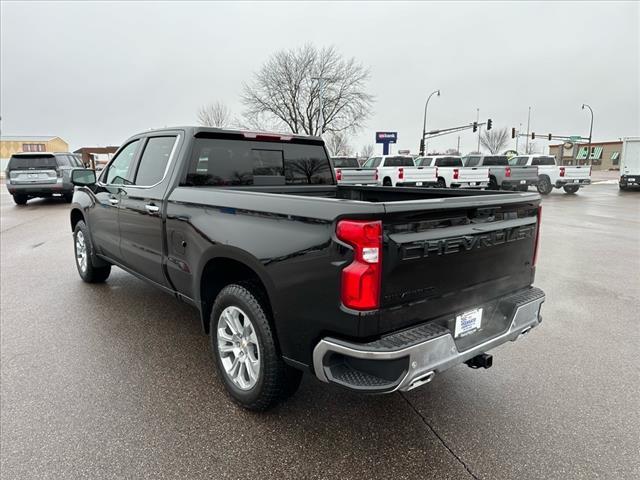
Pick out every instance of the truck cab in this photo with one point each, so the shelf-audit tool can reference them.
(550, 175)
(400, 170)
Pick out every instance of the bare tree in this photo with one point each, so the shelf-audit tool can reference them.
(286, 89)
(367, 151)
(494, 140)
(338, 144)
(215, 114)
(531, 148)
(452, 151)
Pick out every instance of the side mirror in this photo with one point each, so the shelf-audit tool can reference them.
(83, 177)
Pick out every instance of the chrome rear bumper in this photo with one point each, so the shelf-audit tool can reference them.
(411, 358)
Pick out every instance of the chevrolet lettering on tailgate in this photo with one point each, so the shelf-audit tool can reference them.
(446, 246)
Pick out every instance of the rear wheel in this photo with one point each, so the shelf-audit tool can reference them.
(493, 184)
(622, 187)
(441, 183)
(85, 256)
(387, 182)
(245, 350)
(571, 188)
(20, 199)
(544, 185)
(68, 197)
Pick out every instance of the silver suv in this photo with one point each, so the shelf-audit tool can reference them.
(41, 174)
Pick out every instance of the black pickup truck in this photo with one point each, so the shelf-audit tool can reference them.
(376, 289)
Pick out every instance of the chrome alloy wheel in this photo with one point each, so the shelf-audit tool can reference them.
(81, 251)
(238, 348)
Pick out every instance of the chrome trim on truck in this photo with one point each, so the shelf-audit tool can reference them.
(432, 356)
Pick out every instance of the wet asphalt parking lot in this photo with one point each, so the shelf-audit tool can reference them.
(116, 380)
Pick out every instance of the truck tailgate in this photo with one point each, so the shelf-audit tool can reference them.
(420, 174)
(441, 263)
(474, 174)
(356, 176)
(577, 172)
(523, 173)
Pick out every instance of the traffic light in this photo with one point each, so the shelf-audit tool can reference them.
(550, 137)
(533, 135)
(489, 124)
(513, 132)
(475, 126)
(422, 152)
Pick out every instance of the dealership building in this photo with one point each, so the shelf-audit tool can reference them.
(601, 155)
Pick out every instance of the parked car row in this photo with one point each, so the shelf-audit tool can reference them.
(493, 172)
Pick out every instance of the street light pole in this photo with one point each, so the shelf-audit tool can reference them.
(424, 122)
(590, 133)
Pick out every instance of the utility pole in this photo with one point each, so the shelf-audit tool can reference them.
(479, 128)
(423, 147)
(458, 145)
(528, 126)
(320, 81)
(588, 162)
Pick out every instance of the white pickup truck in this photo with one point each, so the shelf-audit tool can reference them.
(551, 176)
(349, 172)
(451, 172)
(400, 170)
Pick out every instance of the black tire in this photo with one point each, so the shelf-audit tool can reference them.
(20, 199)
(441, 183)
(68, 197)
(387, 182)
(276, 381)
(622, 187)
(571, 189)
(493, 184)
(87, 271)
(544, 185)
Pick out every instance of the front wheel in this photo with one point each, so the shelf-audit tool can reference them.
(246, 352)
(544, 186)
(84, 256)
(571, 188)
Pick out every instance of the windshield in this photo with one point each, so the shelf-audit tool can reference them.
(345, 162)
(31, 162)
(496, 160)
(372, 162)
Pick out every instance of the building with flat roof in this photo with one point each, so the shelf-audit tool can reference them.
(10, 144)
(600, 155)
(96, 156)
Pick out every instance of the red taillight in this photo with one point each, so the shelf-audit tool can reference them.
(562, 171)
(456, 173)
(400, 173)
(507, 172)
(338, 174)
(377, 175)
(267, 137)
(537, 241)
(361, 278)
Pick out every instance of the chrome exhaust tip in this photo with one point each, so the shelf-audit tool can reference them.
(421, 380)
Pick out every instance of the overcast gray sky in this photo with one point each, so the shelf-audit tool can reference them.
(96, 73)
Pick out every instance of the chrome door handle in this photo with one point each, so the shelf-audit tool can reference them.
(152, 208)
(113, 201)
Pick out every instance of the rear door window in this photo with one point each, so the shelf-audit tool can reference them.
(373, 162)
(63, 161)
(154, 160)
(424, 162)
